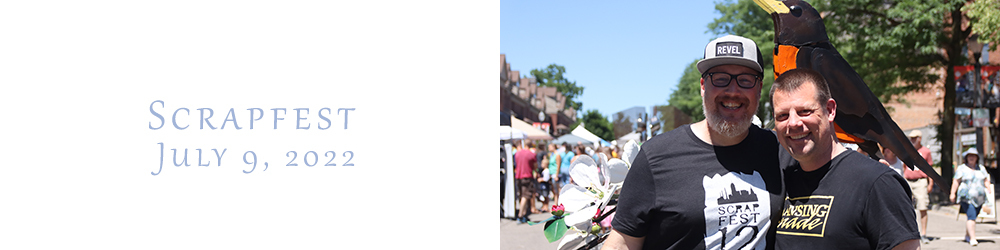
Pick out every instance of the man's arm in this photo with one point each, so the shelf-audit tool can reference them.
(930, 185)
(618, 241)
(908, 245)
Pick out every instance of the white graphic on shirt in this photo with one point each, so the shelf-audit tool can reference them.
(737, 211)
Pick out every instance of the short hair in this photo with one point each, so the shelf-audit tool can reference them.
(793, 79)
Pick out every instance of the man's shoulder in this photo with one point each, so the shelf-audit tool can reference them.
(855, 162)
(864, 169)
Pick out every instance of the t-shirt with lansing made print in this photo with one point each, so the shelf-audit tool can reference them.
(852, 202)
(683, 193)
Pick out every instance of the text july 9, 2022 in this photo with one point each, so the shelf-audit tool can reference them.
(248, 119)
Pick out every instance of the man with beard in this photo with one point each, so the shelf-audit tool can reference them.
(837, 198)
(711, 184)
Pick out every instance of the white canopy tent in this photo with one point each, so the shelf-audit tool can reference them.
(509, 133)
(586, 134)
(529, 131)
(634, 136)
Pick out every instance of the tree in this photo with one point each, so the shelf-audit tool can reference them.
(621, 125)
(687, 96)
(896, 46)
(985, 18)
(552, 76)
(596, 123)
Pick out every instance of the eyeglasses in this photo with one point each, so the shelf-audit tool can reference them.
(722, 79)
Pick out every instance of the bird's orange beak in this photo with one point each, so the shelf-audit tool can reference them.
(772, 6)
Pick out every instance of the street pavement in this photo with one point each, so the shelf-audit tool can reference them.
(944, 227)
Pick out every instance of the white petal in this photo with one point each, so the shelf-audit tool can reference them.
(585, 173)
(631, 150)
(571, 241)
(582, 219)
(573, 197)
(584, 159)
(617, 169)
(603, 164)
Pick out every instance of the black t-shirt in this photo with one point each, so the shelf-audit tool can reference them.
(852, 202)
(683, 193)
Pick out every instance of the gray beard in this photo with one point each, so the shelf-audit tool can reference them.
(726, 128)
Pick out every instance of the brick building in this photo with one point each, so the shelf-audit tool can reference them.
(920, 113)
(524, 99)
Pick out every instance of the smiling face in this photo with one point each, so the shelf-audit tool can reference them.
(729, 110)
(803, 124)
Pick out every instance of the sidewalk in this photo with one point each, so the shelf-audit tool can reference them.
(947, 232)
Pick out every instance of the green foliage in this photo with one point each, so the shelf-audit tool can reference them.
(893, 45)
(597, 123)
(687, 96)
(985, 19)
(552, 76)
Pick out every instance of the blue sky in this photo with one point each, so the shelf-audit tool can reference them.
(624, 54)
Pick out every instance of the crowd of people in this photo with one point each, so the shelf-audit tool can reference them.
(541, 174)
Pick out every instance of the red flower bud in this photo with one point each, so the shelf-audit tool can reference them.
(558, 210)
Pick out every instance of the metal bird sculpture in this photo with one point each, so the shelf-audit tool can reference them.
(801, 41)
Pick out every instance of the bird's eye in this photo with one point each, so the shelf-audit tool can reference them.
(795, 10)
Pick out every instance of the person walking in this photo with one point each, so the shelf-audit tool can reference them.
(544, 187)
(525, 179)
(969, 188)
(920, 185)
(539, 156)
(567, 158)
(555, 161)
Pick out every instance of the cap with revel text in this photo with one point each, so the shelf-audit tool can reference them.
(731, 49)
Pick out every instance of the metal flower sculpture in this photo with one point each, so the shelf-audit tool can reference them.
(588, 199)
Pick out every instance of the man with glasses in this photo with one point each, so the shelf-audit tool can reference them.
(711, 184)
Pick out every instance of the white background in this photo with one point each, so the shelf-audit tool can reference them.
(78, 78)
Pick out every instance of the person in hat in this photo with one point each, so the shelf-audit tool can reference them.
(920, 185)
(712, 184)
(969, 188)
